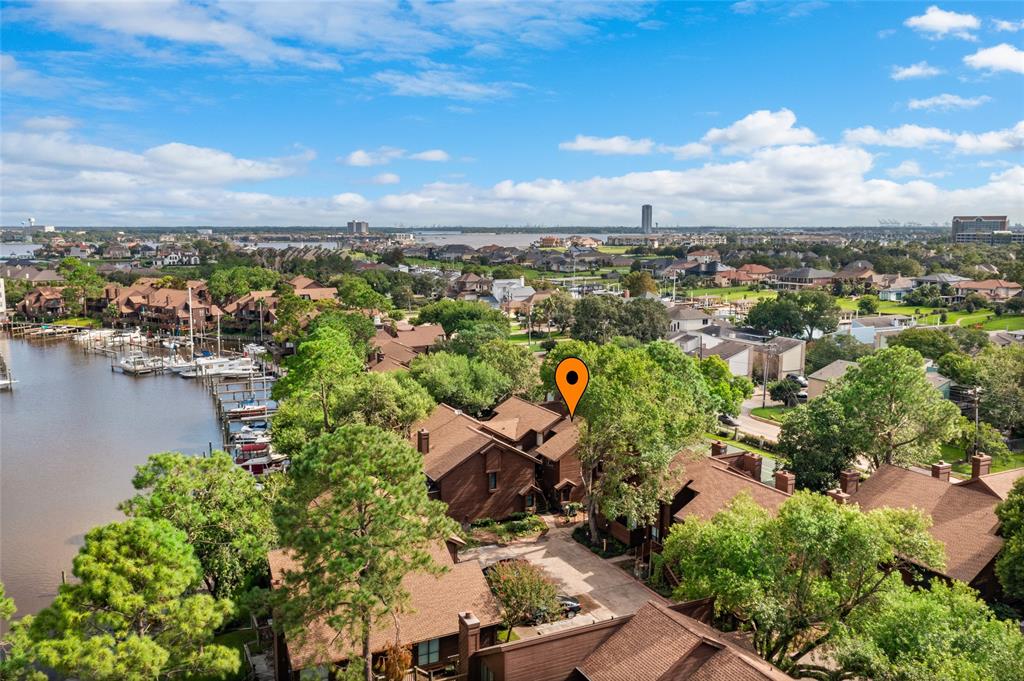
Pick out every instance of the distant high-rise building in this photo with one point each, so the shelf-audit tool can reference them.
(358, 227)
(984, 229)
(646, 218)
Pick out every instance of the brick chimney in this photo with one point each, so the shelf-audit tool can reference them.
(751, 464)
(785, 481)
(423, 441)
(469, 641)
(941, 470)
(719, 448)
(849, 481)
(839, 496)
(981, 464)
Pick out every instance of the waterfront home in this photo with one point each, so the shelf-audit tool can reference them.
(247, 311)
(309, 289)
(429, 625)
(31, 274)
(42, 303)
(394, 347)
(995, 290)
(803, 277)
(473, 470)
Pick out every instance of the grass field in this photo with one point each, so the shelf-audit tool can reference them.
(954, 454)
(777, 414)
(1004, 323)
(84, 322)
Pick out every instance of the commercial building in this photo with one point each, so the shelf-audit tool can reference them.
(646, 218)
(358, 227)
(984, 229)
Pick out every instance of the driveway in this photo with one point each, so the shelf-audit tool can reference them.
(603, 589)
(751, 426)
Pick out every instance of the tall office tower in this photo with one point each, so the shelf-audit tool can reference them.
(646, 218)
(984, 229)
(358, 227)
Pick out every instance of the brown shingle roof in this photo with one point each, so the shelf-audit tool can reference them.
(997, 484)
(833, 370)
(658, 644)
(435, 602)
(716, 485)
(454, 437)
(564, 441)
(515, 417)
(964, 519)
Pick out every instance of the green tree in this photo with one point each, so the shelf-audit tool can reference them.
(515, 361)
(824, 351)
(468, 341)
(524, 591)
(778, 317)
(355, 293)
(1000, 373)
(943, 632)
(867, 305)
(455, 315)
(557, 310)
(392, 401)
(1010, 564)
(819, 312)
(133, 612)
(792, 580)
(81, 283)
(990, 440)
(219, 506)
(356, 519)
(321, 362)
(231, 282)
(640, 408)
(292, 313)
(930, 343)
(892, 414)
(459, 381)
(726, 391)
(643, 319)
(785, 391)
(639, 283)
(814, 445)
(959, 367)
(359, 328)
(596, 319)
(508, 272)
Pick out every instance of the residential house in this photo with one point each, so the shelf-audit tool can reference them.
(471, 283)
(820, 379)
(685, 319)
(310, 289)
(429, 625)
(117, 251)
(995, 290)
(858, 271)
(894, 289)
(394, 348)
(548, 435)
(757, 272)
(175, 258)
(510, 295)
(873, 330)
(147, 303)
(775, 356)
(252, 309)
(43, 302)
(658, 643)
(551, 242)
(585, 241)
(704, 256)
(963, 514)
(31, 274)
(475, 472)
(803, 277)
(455, 252)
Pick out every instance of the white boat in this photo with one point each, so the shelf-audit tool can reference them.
(138, 364)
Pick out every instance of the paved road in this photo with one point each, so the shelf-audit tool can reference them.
(752, 426)
(603, 589)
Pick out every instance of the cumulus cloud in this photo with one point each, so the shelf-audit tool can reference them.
(1008, 26)
(948, 102)
(437, 155)
(911, 169)
(617, 145)
(685, 151)
(386, 178)
(1002, 57)
(383, 155)
(49, 123)
(938, 23)
(760, 129)
(906, 136)
(994, 142)
(921, 69)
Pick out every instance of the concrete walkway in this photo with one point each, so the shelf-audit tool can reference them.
(603, 589)
(751, 426)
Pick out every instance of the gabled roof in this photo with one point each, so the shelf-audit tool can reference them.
(454, 438)
(833, 370)
(807, 273)
(659, 644)
(996, 484)
(727, 349)
(964, 519)
(754, 268)
(715, 485)
(682, 313)
(564, 441)
(515, 417)
(435, 602)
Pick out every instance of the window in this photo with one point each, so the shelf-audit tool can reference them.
(485, 672)
(428, 652)
(655, 532)
(565, 492)
(492, 482)
(529, 500)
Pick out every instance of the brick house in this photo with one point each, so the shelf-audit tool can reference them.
(44, 302)
(393, 349)
(247, 310)
(310, 289)
(147, 303)
(429, 626)
(475, 472)
(803, 277)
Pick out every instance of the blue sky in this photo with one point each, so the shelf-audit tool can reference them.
(486, 113)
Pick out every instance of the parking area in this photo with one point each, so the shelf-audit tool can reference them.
(603, 589)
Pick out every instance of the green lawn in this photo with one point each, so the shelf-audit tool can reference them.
(1004, 323)
(777, 414)
(233, 639)
(79, 321)
(736, 443)
(955, 455)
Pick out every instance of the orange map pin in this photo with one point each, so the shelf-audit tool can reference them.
(571, 377)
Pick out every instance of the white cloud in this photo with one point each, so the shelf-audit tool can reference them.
(386, 178)
(685, 151)
(376, 157)
(911, 169)
(28, 82)
(760, 129)
(617, 145)
(994, 142)
(49, 123)
(921, 69)
(947, 102)
(451, 83)
(938, 23)
(1002, 57)
(439, 155)
(906, 136)
(1008, 26)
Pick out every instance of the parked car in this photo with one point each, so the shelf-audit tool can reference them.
(728, 420)
(798, 379)
(801, 397)
(570, 606)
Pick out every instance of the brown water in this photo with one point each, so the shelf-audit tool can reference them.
(71, 434)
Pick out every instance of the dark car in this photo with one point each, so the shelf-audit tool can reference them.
(798, 379)
(728, 420)
(570, 606)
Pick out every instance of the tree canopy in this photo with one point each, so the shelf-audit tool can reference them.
(824, 351)
(805, 313)
(1010, 565)
(462, 382)
(455, 315)
(356, 519)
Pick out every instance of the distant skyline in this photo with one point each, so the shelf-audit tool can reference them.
(490, 114)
